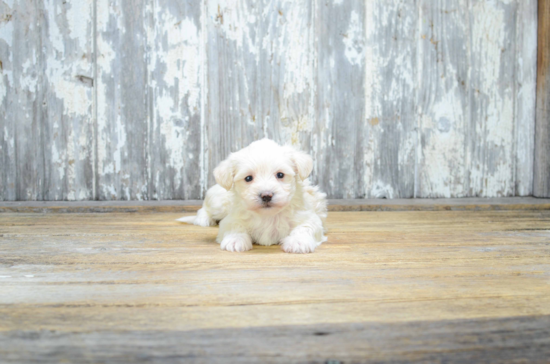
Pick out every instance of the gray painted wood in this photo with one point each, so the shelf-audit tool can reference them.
(175, 69)
(394, 99)
(47, 101)
(8, 102)
(443, 107)
(542, 145)
(22, 95)
(492, 94)
(67, 124)
(122, 103)
(526, 77)
(476, 99)
(340, 103)
(390, 139)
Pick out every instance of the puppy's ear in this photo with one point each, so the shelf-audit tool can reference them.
(224, 173)
(302, 162)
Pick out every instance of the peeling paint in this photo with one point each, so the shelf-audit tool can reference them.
(526, 41)
(381, 190)
(354, 40)
(399, 99)
(494, 104)
(442, 151)
(233, 18)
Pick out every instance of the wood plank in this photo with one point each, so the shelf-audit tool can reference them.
(7, 111)
(122, 100)
(475, 130)
(67, 125)
(491, 141)
(46, 122)
(476, 111)
(525, 107)
(338, 138)
(458, 204)
(542, 132)
(22, 96)
(522, 339)
(390, 85)
(386, 287)
(175, 82)
(443, 99)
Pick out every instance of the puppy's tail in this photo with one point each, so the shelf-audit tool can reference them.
(188, 219)
(202, 218)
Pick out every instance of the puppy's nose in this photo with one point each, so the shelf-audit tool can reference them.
(266, 196)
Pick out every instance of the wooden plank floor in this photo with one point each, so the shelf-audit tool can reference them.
(426, 286)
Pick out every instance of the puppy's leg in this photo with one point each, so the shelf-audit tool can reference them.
(232, 236)
(203, 218)
(305, 237)
(214, 209)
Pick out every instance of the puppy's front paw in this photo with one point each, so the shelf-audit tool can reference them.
(236, 242)
(301, 243)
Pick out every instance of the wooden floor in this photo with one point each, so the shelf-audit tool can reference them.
(427, 286)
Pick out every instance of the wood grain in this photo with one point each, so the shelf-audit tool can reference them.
(492, 94)
(175, 69)
(446, 204)
(444, 285)
(542, 134)
(22, 95)
(390, 140)
(340, 104)
(526, 95)
(67, 126)
(521, 339)
(443, 99)
(122, 112)
(8, 98)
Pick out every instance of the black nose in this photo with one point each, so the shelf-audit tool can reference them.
(266, 197)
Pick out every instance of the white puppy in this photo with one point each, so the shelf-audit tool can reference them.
(263, 196)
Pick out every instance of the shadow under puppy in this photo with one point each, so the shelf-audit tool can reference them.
(263, 196)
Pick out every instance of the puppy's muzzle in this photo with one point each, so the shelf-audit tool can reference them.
(266, 196)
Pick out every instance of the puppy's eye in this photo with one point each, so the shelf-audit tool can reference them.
(280, 175)
(248, 178)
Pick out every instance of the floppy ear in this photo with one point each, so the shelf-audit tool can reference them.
(224, 174)
(303, 163)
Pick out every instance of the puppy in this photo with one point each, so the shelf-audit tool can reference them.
(263, 196)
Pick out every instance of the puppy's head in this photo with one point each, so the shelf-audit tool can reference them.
(264, 175)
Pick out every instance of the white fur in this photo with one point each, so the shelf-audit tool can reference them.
(295, 215)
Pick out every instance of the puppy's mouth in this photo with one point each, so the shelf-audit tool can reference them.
(266, 205)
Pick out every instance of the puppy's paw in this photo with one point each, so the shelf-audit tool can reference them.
(302, 243)
(238, 242)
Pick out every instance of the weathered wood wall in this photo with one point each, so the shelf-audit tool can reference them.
(541, 187)
(112, 99)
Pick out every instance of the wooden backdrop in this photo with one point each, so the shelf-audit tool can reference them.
(114, 99)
